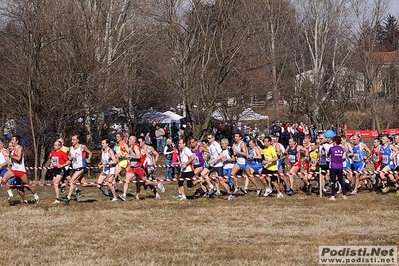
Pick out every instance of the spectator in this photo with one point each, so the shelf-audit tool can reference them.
(104, 131)
(168, 152)
(148, 139)
(174, 133)
(188, 131)
(152, 134)
(301, 132)
(165, 128)
(159, 135)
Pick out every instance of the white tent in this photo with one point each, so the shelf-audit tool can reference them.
(172, 117)
(165, 118)
(246, 115)
(250, 115)
(218, 115)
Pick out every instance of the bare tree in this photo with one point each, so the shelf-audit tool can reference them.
(202, 40)
(325, 28)
(369, 17)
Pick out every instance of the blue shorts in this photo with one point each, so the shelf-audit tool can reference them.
(14, 181)
(346, 165)
(227, 172)
(280, 164)
(80, 169)
(257, 167)
(358, 166)
(242, 166)
(390, 164)
(3, 172)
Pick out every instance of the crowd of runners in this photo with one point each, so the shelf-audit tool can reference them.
(210, 166)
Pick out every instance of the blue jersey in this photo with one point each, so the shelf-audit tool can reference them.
(358, 155)
(255, 164)
(386, 156)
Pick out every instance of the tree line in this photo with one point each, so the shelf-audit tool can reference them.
(62, 60)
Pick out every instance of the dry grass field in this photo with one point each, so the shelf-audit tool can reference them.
(246, 231)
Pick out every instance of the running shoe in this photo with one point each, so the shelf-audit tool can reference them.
(157, 196)
(280, 195)
(161, 187)
(211, 191)
(178, 196)
(268, 191)
(259, 192)
(236, 190)
(36, 201)
(66, 200)
(78, 194)
(62, 190)
(10, 199)
(114, 199)
(122, 197)
(290, 192)
(332, 198)
(230, 197)
(182, 198)
(57, 201)
(373, 179)
(218, 193)
(354, 192)
(344, 197)
(244, 190)
(197, 193)
(385, 189)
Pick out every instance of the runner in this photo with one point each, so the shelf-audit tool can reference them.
(215, 165)
(186, 158)
(199, 161)
(388, 152)
(4, 160)
(313, 164)
(121, 150)
(360, 156)
(151, 157)
(324, 162)
(255, 167)
(59, 160)
(270, 167)
(293, 153)
(241, 153)
(107, 164)
(280, 150)
(17, 170)
(135, 168)
(80, 156)
(67, 169)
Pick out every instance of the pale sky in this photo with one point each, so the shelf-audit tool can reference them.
(394, 8)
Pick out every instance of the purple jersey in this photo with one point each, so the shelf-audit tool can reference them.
(335, 153)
